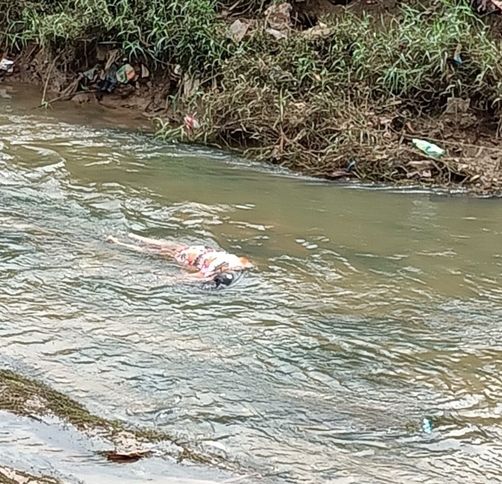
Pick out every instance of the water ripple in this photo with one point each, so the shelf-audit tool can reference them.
(369, 310)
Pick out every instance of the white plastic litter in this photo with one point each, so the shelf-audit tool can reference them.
(6, 65)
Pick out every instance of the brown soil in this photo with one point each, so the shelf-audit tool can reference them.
(37, 67)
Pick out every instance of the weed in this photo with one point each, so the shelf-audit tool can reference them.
(421, 56)
(308, 102)
(158, 31)
(315, 104)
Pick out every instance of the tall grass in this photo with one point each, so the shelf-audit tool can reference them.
(159, 31)
(243, 7)
(316, 103)
(419, 55)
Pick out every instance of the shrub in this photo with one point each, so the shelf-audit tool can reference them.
(315, 103)
(159, 31)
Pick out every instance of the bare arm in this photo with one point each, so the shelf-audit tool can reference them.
(198, 277)
(186, 278)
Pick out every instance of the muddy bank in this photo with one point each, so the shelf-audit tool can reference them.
(337, 91)
(13, 476)
(43, 411)
(375, 142)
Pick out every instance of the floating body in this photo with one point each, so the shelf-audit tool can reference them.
(207, 263)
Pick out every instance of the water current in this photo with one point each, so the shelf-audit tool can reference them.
(369, 310)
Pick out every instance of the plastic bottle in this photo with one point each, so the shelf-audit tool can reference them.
(429, 149)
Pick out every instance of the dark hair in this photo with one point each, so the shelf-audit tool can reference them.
(223, 279)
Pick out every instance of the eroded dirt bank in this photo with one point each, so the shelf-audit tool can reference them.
(338, 90)
(295, 84)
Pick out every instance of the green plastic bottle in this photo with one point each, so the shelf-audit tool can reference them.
(430, 149)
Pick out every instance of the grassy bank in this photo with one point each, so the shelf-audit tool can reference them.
(326, 90)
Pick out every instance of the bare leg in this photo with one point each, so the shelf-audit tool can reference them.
(146, 240)
(163, 246)
(136, 248)
(159, 248)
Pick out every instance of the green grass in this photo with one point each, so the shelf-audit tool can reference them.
(410, 56)
(315, 104)
(243, 7)
(156, 31)
(308, 103)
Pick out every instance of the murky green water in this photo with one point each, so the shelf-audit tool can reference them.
(370, 309)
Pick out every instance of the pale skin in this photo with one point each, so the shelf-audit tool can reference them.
(152, 246)
(163, 248)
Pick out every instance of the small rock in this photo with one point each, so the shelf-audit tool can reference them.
(277, 34)
(82, 98)
(278, 16)
(238, 30)
(320, 31)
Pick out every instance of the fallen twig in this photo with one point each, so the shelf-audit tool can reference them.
(49, 72)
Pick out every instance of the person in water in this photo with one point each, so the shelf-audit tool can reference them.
(208, 264)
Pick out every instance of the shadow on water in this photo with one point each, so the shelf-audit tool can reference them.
(368, 312)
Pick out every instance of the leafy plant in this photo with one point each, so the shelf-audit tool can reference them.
(185, 32)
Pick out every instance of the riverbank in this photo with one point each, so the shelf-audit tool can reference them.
(332, 91)
(13, 476)
(62, 418)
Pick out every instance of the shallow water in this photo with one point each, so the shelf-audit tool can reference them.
(369, 311)
(49, 447)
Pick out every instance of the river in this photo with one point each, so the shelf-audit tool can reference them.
(369, 310)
